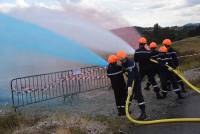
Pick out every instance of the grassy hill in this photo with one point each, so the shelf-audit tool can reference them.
(188, 46)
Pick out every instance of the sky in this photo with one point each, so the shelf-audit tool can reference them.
(130, 12)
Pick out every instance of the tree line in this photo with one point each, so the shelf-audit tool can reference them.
(175, 33)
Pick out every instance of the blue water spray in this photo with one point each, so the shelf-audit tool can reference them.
(32, 38)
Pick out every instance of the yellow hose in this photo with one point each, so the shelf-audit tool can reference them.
(173, 120)
(178, 73)
(150, 122)
(185, 80)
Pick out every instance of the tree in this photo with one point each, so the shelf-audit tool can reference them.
(157, 33)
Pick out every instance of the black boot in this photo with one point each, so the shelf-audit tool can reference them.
(168, 86)
(159, 96)
(143, 115)
(123, 113)
(164, 95)
(182, 87)
(180, 96)
(157, 91)
(147, 86)
(119, 111)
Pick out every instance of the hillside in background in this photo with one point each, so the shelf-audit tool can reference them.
(188, 46)
(158, 33)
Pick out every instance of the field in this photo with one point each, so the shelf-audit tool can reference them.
(188, 46)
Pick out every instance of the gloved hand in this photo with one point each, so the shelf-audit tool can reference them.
(170, 69)
(154, 61)
(130, 91)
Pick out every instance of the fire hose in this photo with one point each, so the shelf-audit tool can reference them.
(161, 121)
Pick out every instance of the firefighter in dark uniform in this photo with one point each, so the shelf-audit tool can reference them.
(142, 57)
(133, 83)
(155, 71)
(115, 73)
(167, 75)
(167, 43)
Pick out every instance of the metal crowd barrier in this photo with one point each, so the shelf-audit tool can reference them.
(38, 88)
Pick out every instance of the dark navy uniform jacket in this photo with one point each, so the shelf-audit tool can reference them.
(172, 53)
(115, 73)
(142, 57)
(165, 59)
(154, 54)
(132, 70)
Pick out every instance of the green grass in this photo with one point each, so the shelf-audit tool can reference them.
(8, 123)
(188, 46)
(20, 122)
(13, 121)
(113, 123)
(190, 62)
(77, 130)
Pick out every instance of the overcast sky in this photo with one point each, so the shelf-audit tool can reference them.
(135, 12)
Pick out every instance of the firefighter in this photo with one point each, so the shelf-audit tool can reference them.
(153, 47)
(164, 59)
(115, 73)
(153, 53)
(133, 82)
(142, 57)
(167, 43)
